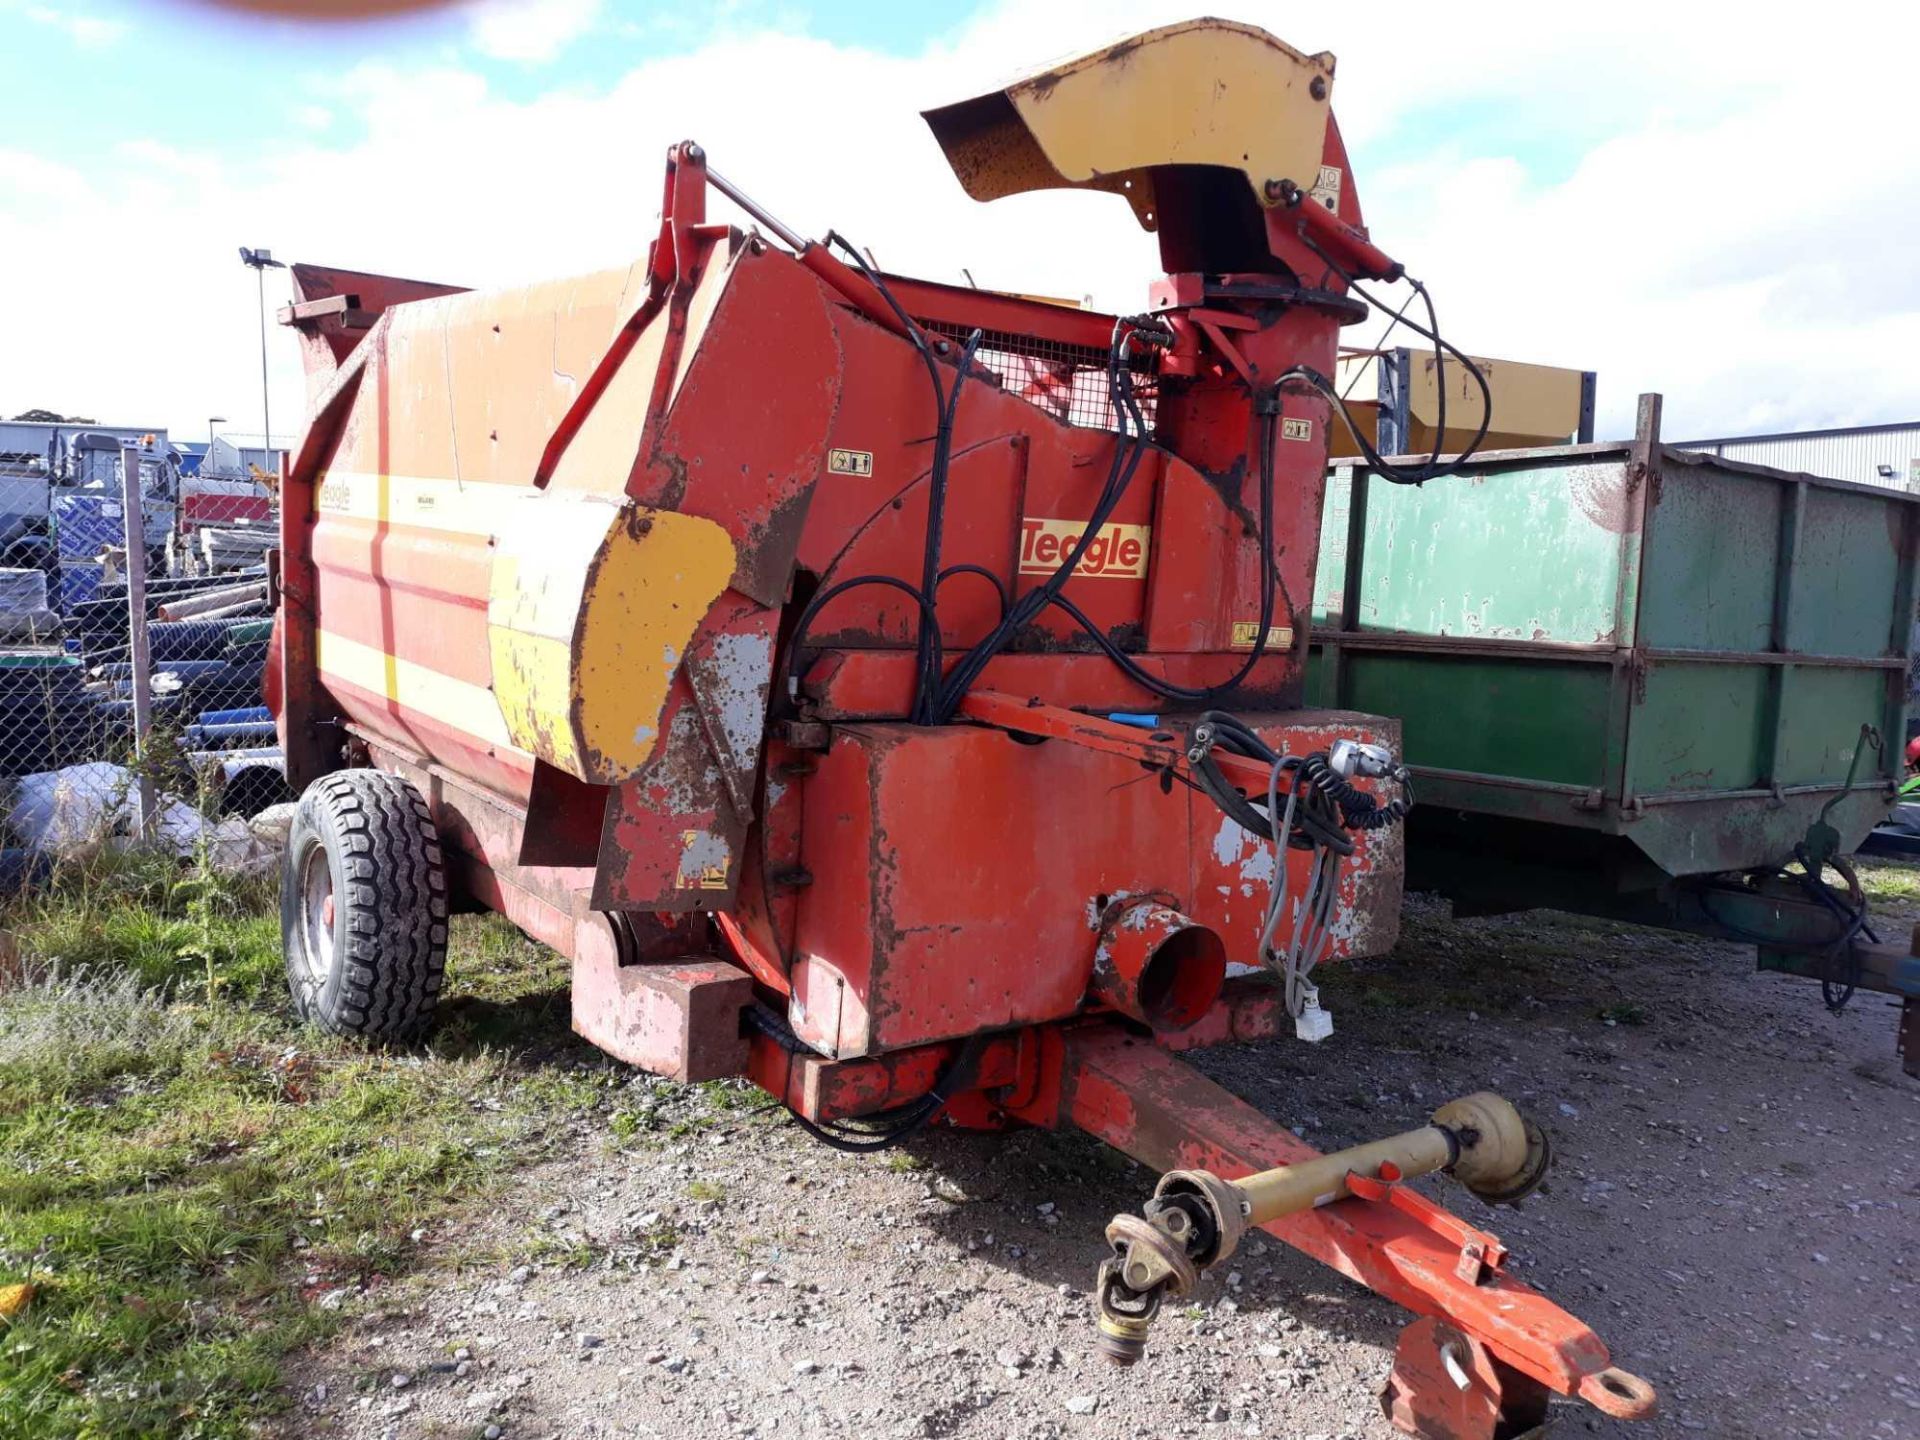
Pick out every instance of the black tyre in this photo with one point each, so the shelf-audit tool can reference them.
(363, 906)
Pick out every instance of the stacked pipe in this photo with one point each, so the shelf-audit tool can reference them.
(47, 718)
(65, 705)
(238, 752)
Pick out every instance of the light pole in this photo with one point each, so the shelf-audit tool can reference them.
(261, 261)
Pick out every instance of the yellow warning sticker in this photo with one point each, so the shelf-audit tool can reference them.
(1296, 429)
(849, 462)
(704, 861)
(1245, 632)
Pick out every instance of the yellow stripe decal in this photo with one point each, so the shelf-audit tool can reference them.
(459, 703)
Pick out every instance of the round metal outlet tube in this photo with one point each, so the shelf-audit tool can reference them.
(1158, 966)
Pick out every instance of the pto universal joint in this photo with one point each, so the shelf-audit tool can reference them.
(1195, 1219)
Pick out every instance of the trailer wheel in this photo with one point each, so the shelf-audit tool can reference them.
(363, 906)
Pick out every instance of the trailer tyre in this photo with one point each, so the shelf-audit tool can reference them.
(363, 906)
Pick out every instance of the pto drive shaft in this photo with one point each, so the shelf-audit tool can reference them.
(1195, 1219)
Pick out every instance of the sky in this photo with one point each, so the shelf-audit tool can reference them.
(1718, 202)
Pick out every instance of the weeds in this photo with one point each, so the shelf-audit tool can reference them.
(184, 1171)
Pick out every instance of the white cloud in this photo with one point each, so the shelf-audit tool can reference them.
(534, 31)
(86, 30)
(1732, 228)
(30, 184)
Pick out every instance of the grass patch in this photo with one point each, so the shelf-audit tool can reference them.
(1886, 882)
(185, 1171)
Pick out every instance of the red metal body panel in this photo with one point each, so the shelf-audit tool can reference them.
(866, 683)
(973, 841)
(681, 1019)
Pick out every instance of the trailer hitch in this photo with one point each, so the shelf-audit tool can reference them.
(1485, 1354)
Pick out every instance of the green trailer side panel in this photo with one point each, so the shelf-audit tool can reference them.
(1710, 563)
(1822, 710)
(1526, 719)
(1531, 554)
(1629, 626)
(1848, 564)
(1699, 727)
(1329, 570)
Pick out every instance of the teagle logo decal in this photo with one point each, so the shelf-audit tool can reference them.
(1118, 551)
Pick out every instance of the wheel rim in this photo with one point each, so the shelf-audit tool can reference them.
(316, 920)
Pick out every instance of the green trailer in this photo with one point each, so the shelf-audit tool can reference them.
(1634, 682)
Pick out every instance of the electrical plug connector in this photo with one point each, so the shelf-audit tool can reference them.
(1348, 758)
(1312, 1024)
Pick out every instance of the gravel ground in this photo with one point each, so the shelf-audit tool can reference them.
(1733, 1209)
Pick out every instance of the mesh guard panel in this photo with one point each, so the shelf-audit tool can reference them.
(1067, 381)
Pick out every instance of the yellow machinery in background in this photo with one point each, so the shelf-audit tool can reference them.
(1396, 398)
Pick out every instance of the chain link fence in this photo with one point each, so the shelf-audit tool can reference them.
(92, 755)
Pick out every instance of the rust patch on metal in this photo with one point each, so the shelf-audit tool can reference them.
(1230, 485)
(671, 493)
(1604, 493)
(767, 548)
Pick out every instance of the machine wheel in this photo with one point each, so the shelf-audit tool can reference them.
(363, 906)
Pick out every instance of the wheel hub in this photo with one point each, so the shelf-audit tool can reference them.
(317, 915)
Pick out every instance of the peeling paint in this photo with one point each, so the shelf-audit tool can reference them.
(744, 663)
(1229, 840)
(1258, 868)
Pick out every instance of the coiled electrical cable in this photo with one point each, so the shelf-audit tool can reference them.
(1315, 821)
(1358, 809)
(1320, 809)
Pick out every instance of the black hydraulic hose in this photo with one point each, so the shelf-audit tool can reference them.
(1269, 595)
(819, 601)
(1317, 819)
(999, 586)
(946, 403)
(1431, 469)
(937, 691)
(930, 666)
(1126, 461)
(1849, 922)
(888, 1128)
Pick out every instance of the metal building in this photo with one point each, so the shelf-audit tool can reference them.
(1867, 454)
(231, 456)
(25, 441)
